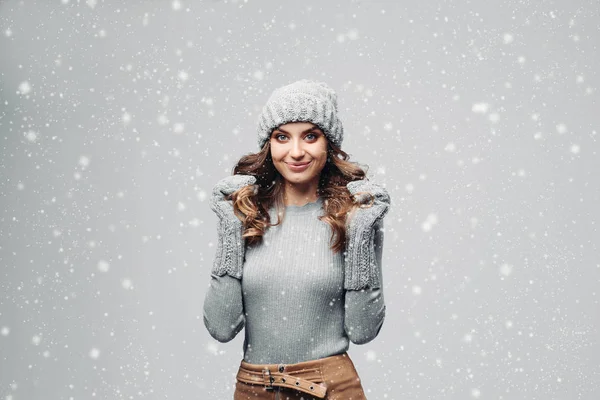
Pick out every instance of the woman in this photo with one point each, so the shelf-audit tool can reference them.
(298, 262)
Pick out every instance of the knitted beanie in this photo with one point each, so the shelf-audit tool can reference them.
(302, 101)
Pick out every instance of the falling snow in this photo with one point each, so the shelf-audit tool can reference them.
(480, 120)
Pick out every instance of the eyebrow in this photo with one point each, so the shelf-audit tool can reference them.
(305, 131)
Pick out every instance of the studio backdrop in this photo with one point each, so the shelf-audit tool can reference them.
(481, 118)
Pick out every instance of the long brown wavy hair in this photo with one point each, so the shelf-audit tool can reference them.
(251, 205)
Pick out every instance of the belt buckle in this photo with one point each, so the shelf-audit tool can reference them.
(267, 373)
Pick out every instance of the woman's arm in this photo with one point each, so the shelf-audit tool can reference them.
(223, 303)
(223, 308)
(365, 307)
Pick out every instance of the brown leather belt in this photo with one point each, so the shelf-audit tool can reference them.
(299, 381)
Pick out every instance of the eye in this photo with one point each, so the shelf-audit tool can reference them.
(312, 134)
(278, 136)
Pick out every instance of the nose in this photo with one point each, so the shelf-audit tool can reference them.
(297, 150)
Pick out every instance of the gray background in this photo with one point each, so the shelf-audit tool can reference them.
(117, 118)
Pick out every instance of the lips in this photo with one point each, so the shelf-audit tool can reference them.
(298, 167)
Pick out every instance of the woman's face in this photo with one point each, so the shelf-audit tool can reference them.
(299, 143)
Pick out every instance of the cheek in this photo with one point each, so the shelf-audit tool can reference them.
(323, 155)
(275, 153)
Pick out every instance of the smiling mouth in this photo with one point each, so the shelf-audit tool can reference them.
(298, 165)
(298, 168)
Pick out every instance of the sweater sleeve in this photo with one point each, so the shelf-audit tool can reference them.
(224, 308)
(365, 308)
(229, 258)
(223, 304)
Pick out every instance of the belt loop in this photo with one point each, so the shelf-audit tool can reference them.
(267, 372)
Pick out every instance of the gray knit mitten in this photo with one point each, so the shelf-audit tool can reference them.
(229, 258)
(361, 268)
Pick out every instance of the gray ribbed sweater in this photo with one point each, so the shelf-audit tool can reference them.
(291, 297)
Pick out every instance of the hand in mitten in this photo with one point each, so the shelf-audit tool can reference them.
(226, 186)
(229, 257)
(374, 202)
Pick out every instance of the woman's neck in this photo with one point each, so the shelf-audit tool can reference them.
(299, 196)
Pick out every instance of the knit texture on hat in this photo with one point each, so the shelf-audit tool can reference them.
(302, 101)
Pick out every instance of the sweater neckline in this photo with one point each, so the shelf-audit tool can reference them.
(304, 209)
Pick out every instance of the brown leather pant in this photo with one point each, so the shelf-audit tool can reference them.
(330, 378)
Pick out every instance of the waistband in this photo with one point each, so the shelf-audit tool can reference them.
(304, 376)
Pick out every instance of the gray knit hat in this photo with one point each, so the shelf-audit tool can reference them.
(302, 101)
